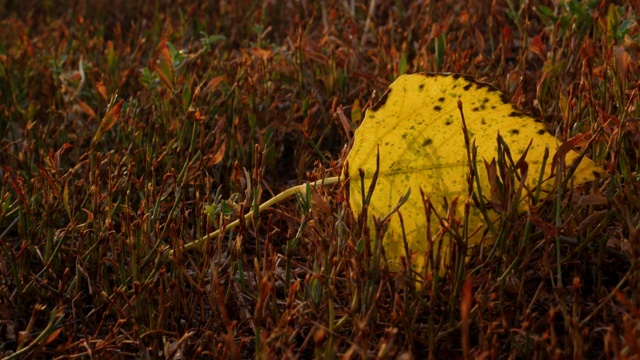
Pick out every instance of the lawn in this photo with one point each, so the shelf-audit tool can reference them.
(134, 134)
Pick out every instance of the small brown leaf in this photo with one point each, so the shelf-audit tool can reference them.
(65, 199)
(212, 84)
(566, 147)
(109, 120)
(538, 48)
(589, 200)
(165, 54)
(165, 69)
(320, 203)
(623, 61)
(346, 125)
(549, 230)
(89, 218)
(56, 157)
(264, 54)
(479, 40)
(219, 155)
(52, 184)
(165, 76)
(102, 90)
(51, 336)
(86, 109)
(591, 220)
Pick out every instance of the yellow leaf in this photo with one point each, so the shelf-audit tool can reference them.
(417, 127)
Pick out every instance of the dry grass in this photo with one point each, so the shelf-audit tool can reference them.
(127, 128)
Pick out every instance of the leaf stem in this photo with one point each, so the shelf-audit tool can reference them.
(248, 218)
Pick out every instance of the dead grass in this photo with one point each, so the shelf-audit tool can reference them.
(123, 123)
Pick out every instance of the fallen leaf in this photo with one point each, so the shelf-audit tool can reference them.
(417, 128)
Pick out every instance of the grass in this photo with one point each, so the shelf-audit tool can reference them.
(131, 129)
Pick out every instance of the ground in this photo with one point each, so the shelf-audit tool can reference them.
(131, 130)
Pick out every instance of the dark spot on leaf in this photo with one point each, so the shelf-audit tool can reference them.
(441, 99)
(467, 87)
(514, 131)
(382, 101)
(516, 114)
(475, 109)
(437, 108)
(421, 87)
(427, 142)
(448, 122)
(541, 132)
